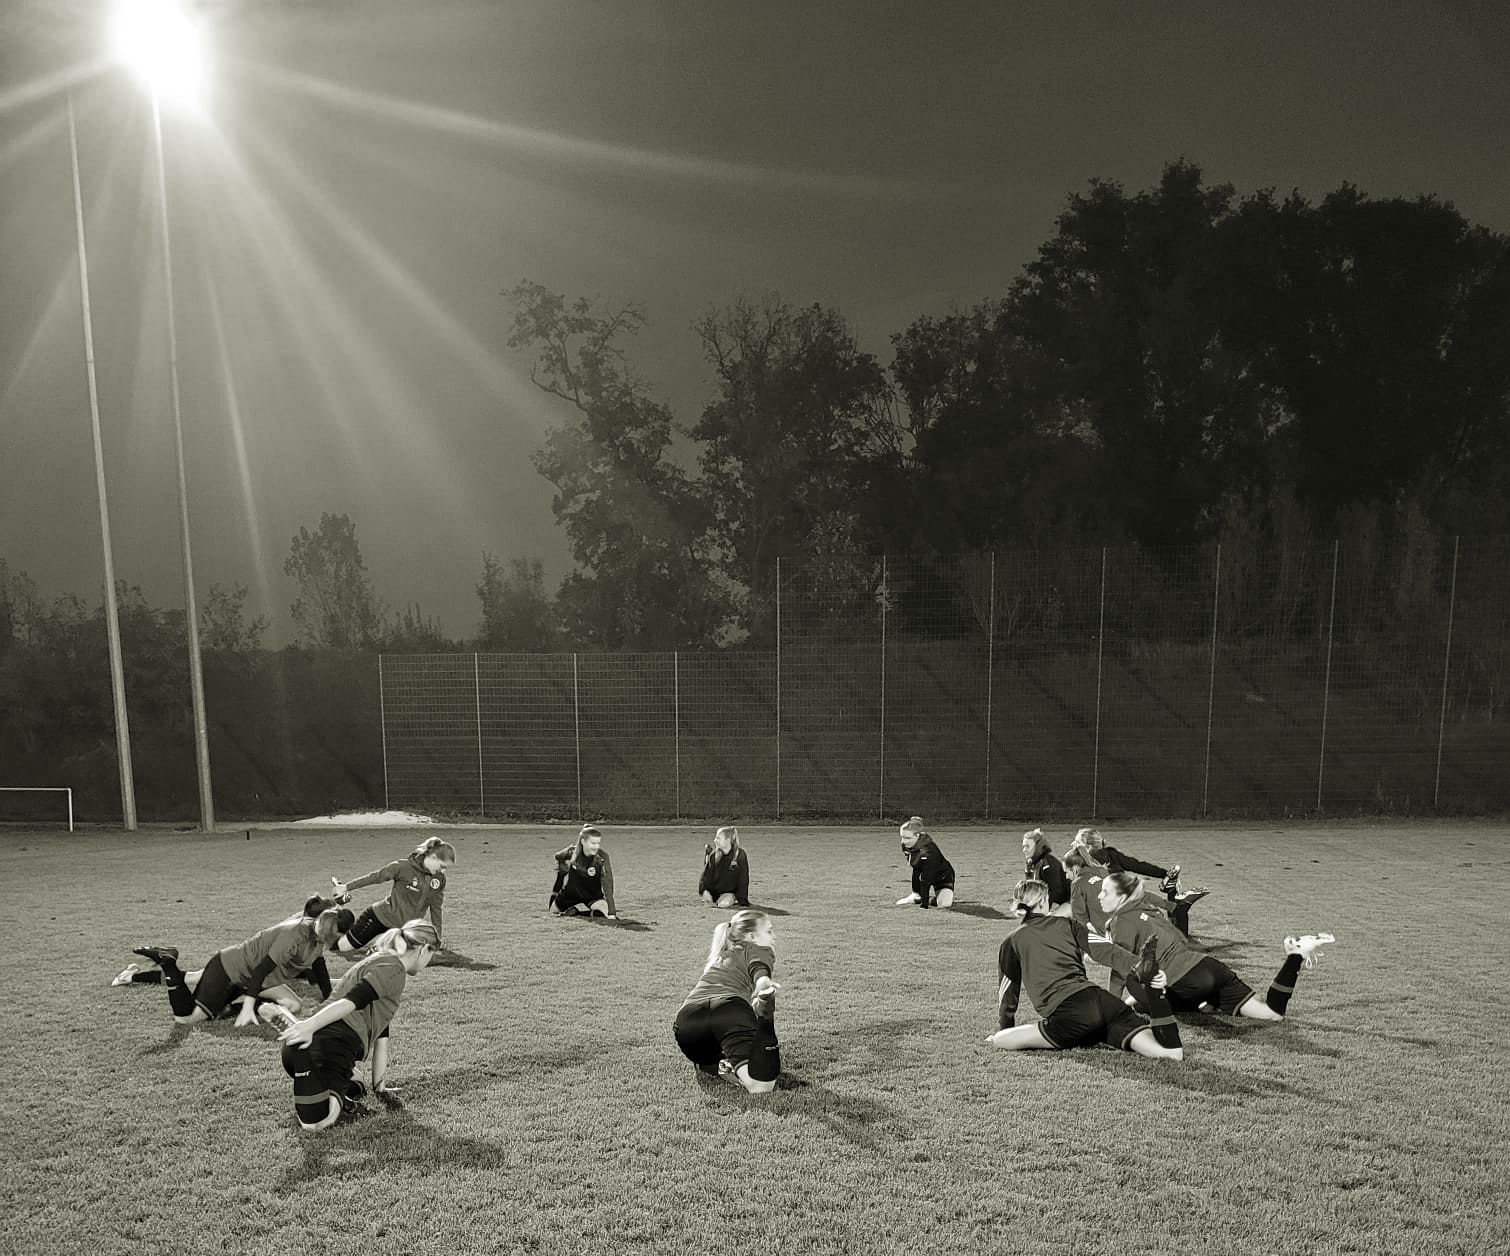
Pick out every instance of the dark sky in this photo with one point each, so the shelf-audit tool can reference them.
(373, 175)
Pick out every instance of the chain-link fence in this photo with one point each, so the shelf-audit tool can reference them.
(1068, 684)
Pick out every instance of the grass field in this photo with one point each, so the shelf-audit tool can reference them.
(545, 1108)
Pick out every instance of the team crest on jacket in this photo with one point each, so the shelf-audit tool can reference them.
(592, 872)
(435, 883)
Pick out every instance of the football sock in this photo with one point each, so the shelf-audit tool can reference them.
(1155, 1005)
(180, 998)
(147, 977)
(1283, 986)
(1179, 917)
(765, 1052)
(319, 973)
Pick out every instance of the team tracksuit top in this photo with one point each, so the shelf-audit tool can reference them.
(384, 974)
(415, 892)
(583, 878)
(726, 874)
(1050, 871)
(275, 955)
(1048, 949)
(930, 870)
(1133, 924)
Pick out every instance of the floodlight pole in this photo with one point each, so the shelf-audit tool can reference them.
(191, 613)
(112, 617)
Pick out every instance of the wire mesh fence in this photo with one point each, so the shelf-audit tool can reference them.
(1067, 684)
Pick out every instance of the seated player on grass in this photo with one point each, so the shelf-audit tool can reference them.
(321, 1053)
(584, 878)
(1041, 864)
(1044, 957)
(932, 874)
(419, 887)
(1179, 900)
(725, 881)
(1191, 979)
(727, 1023)
(256, 971)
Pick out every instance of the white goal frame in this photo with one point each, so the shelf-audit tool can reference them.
(43, 789)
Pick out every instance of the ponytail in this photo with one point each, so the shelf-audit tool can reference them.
(434, 845)
(735, 930)
(408, 937)
(1030, 897)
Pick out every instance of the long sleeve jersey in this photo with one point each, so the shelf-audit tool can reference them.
(1131, 926)
(930, 870)
(726, 874)
(1050, 871)
(583, 878)
(415, 892)
(272, 956)
(1118, 862)
(732, 973)
(1042, 957)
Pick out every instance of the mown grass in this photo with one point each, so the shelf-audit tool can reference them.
(545, 1108)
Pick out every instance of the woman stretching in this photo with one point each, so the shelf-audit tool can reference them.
(1192, 980)
(1044, 957)
(584, 878)
(726, 871)
(321, 1053)
(1042, 864)
(419, 886)
(256, 971)
(727, 1023)
(932, 874)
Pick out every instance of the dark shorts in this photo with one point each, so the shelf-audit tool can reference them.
(1210, 981)
(215, 989)
(713, 1030)
(1090, 1016)
(367, 927)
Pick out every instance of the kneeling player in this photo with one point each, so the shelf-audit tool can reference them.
(725, 881)
(1044, 955)
(932, 874)
(1192, 980)
(321, 1053)
(727, 1023)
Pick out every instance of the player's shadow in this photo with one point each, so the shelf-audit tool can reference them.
(869, 1123)
(455, 959)
(979, 910)
(177, 1035)
(1195, 1075)
(377, 1139)
(769, 911)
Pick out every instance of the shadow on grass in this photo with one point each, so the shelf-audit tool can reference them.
(865, 1123)
(979, 910)
(455, 959)
(769, 911)
(175, 1039)
(1198, 1074)
(602, 922)
(376, 1138)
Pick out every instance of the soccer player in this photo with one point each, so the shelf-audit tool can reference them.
(932, 874)
(1191, 979)
(584, 878)
(1041, 864)
(1180, 900)
(419, 886)
(725, 881)
(1043, 957)
(321, 1053)
(727, 1023)
(258, 967)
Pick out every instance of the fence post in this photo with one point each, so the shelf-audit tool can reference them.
(778, 686)
(1100, 649)
(1452, 601)
(576, 711)
(1216, 593)
(881, 766)
(676, 723)
(383, 725)
(482, 798)
(990, 671)
(1326, 691)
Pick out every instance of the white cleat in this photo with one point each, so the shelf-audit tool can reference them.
(276, 1014)
(1308, 947)
(123, 978)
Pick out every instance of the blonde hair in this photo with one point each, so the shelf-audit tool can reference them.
(1040, 844)
(408, 937)
(737, 929)
(730, 832)
(435, 846)
(1029, 896)
(1090, 838)
(914, 828)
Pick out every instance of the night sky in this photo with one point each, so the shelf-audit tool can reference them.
(373, 175)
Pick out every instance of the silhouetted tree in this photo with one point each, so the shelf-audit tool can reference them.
(336, 608)
(516, 611)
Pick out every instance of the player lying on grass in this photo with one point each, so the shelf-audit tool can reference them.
(932, 874)
(1043, 957)
(727, 1023)
(1041, 864)
(255, 971)
(321, 1053)
(1179, 900)
(419, 887)
(725, 881)
(584, 878)
(1190, 979)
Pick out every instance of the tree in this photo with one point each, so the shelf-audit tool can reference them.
(411, 631)
(223, 624)
(799, 411)
(336, 608)
(637, 526)
(516, 612)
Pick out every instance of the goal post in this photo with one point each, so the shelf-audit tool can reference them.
(65, 790)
